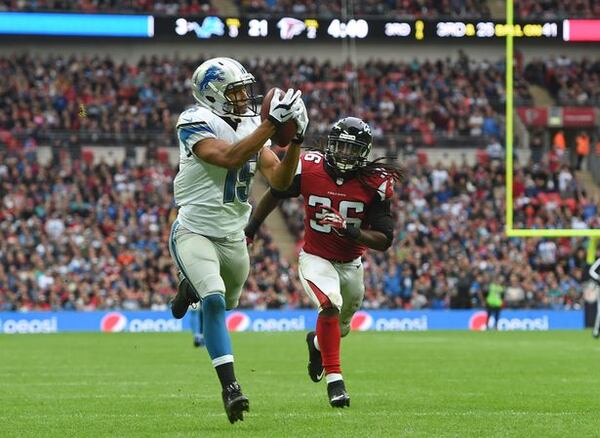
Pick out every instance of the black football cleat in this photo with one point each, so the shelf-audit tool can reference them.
(235, 402)
(338, 397)
(186, 296)
(315, 366)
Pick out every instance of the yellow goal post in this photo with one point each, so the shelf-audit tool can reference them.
(593, 235)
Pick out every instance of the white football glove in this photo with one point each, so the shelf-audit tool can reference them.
(282, 106)
(301, 118)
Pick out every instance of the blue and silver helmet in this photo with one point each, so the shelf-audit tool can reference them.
(226, 88)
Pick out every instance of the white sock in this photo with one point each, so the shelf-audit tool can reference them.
(333, 377)
(316, 343)
(222, 360)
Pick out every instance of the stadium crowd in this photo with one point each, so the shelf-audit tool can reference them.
(553, 9)
(398, 8)
(99, 99)
(158, 7)
(570, 82)
(389, 8)
(428, 9)
(75, 236)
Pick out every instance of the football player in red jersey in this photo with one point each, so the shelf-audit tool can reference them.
(347, 210)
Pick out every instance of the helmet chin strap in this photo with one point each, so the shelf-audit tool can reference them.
(334, 171)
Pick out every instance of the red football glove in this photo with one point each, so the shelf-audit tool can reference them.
(333, 217)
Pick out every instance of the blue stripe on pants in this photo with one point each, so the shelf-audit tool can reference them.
(173, 246)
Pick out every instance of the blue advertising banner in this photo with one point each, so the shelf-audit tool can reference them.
(286, 320)
(28, 23)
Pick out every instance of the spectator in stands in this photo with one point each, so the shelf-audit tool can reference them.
(495, 150)
(494, 300)
(582, 148)
(406, 286)
(515, 295)
(391, 285)
(559, 144)
(463, 287)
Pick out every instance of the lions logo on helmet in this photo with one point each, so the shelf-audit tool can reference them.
(348, 144)
(223, 86)
(213, 73)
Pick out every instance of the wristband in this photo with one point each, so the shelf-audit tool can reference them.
(353, 232)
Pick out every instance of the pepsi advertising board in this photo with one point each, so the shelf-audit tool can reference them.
(286, 320)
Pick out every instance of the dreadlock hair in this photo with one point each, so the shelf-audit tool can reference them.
(380, 166)
(384, 166)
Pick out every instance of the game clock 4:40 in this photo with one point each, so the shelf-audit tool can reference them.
(350, 29)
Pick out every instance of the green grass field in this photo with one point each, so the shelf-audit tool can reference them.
(533, 384)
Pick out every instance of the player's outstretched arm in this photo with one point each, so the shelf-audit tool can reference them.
(265, 206)
(233, 156)
(279, 174)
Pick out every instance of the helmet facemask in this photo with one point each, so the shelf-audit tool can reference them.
(226, 88)
(241, 100)
(348, 145)
(347, 155)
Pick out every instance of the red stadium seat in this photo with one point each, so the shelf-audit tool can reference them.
(88, 156)
(482, 157)
(162, 155)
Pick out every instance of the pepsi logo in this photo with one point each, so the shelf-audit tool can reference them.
(361, 321)
(478, 321)
(113, 322)
(238, 322)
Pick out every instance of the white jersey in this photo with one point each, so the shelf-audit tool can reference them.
(212, 200)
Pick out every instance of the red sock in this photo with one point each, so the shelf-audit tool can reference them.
(329, 336)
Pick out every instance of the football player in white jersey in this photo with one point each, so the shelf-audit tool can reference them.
(595, 275)
(222, 144)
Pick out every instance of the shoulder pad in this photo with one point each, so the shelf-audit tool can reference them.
(382, 183)
(195, 114)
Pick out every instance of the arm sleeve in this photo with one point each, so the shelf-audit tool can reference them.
(191, 133)
(293, 191)
(379, 217)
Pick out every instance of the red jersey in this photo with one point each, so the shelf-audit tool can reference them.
(352, 198)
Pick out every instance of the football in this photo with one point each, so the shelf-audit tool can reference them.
(283, 136)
